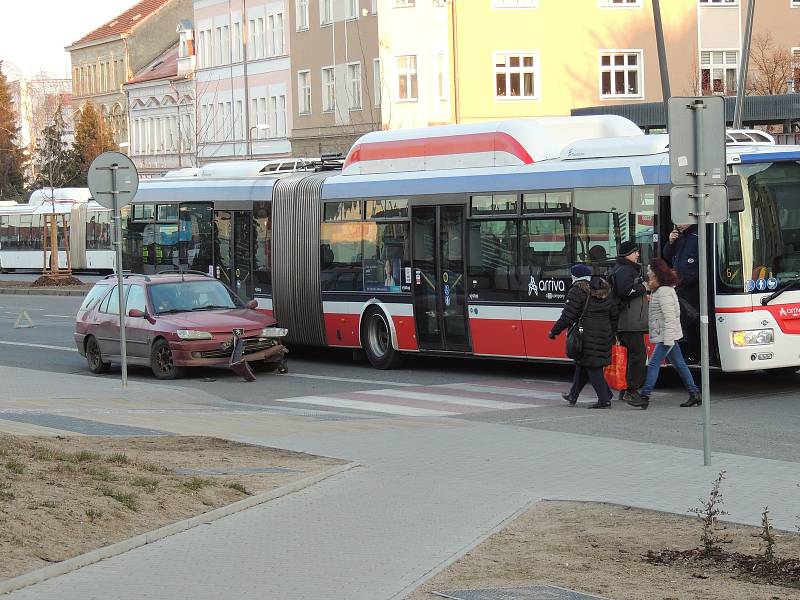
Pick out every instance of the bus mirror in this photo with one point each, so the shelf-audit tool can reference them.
(735, 195)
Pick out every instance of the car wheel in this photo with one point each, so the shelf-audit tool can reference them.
(93, 357)
(376, 339)
(162, 362)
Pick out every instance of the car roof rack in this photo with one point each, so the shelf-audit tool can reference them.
(183, 272)
(126, 275)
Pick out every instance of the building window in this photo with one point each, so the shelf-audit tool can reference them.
(441, 74)
(237, 42)
(514, 3)
(325, 12)
(351, 9)
(354, 85)
(404, 3)
(373, 9)
(277, 35)
(376, 81)
(795, 3)
(718, 71)
(621, 3)
(328, 89)
(407, 77)
(302, 15)
(304, 92)
(620, 73)
(516, 75)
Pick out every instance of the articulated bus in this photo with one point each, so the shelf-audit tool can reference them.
(457, 240)
(88, 227)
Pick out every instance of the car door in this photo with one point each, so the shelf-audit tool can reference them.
(137, 329)
(107, 327)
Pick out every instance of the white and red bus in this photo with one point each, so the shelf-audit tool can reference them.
(458, 239)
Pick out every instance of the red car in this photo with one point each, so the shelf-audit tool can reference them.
(176, 321)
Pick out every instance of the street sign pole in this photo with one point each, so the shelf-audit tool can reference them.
(698, 106)
(123, 345)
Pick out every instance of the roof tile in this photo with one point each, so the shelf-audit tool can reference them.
(125, 22)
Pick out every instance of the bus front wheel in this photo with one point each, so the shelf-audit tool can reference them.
(376, 339)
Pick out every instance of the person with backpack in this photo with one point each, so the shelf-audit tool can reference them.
(630, 293)
(589, 306)
(665, 331)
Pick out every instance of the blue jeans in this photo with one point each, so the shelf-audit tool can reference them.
(675, 357)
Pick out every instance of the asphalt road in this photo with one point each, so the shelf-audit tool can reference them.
(752, 413)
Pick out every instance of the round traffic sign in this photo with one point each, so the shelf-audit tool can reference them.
(113, 172)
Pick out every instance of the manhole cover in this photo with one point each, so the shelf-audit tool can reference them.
(536, 592)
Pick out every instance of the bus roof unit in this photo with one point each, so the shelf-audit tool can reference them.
(60, 195)
(487, 144)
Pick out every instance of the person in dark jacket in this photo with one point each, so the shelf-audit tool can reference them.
(682, 253)
(599, 324)
(631, 296)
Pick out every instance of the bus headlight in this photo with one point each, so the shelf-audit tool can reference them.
(193, 334)
(752, 337)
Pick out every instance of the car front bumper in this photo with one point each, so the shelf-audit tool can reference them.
(199, 353)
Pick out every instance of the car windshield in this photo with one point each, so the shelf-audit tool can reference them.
(187, 296)
(759, 248)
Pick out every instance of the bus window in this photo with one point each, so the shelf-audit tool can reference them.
(546, 259)
(729, 256)
(396, 208)
(262, 243)
(505, 204)
(348, 210)
(387, 261)
(492, 268)
(547, 202)
(341, 256)
(195, 232)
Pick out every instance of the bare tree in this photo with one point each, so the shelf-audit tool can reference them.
(771, 67)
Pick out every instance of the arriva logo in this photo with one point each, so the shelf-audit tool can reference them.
(789, 311)
(545, 285)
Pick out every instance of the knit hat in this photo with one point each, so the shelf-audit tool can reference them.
(580, 270)
(628, 248)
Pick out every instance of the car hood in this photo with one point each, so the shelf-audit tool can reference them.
(218, 321)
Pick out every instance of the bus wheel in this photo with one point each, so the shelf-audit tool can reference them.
(376, 339)
(783, 372)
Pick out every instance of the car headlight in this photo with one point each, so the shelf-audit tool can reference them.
(752, 337)
(274, 332)
(193, 334)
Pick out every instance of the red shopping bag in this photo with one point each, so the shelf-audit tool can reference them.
(615, 372)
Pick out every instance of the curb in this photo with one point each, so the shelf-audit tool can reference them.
(21, 291)
(93, 556)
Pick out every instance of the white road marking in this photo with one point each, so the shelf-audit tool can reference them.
(351, 380)
(394, 409)
(504, 391)
(61, 316)
(45, 346)
(444, 399)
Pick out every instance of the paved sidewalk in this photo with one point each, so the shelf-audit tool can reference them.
(428, 489)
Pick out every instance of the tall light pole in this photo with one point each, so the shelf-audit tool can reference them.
(260, 127)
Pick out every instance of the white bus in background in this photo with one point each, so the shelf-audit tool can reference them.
(89, 228)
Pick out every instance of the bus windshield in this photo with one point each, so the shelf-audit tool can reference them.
(759, 249)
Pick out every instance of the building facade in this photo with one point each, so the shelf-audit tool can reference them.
(243, 90)
(336, 74)
(161, 109)
(104, 59)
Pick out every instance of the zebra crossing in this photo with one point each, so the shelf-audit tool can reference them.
(441, 400)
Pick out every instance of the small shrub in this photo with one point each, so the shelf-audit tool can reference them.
(6, 496)
(127, 500)
(767, 536)
(100, 473)
(119, 458)
(83, 456)
(239, 488)
(42, 504)
(15, 466)
(709, 511)
(195, 484)
(148, 483)
(49, 454)
(93, 514)
(152, 467)
(65, 468)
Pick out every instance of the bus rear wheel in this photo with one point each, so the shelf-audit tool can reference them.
(376, 339)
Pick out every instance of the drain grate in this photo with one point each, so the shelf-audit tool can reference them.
(232, 470)
(536, 592)
(84, 426)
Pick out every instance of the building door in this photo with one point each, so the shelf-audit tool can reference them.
(440, 309)
(233, 255)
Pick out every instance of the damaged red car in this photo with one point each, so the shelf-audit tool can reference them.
(175, 321)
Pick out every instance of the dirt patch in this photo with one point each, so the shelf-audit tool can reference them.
(57, 281)
(601, 549)
(61, 497)
(7, 283)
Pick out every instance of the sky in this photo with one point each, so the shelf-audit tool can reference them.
(33, 33)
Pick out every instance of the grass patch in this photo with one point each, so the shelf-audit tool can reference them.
(93, 515)
(239, 488)
(101, 473)
(118, 458)
(15, 466)
(6, 496)
(49, 454)
(127, 500)
(148, 483)
(42, 504)
(195, 484)
(83, 456)
(65, 469)
(152, 468)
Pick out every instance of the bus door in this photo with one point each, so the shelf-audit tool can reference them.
(233, 230)
(440, 307)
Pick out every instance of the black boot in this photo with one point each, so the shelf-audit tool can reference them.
(569, 399)
(694, 400)
(638, 401)
(600, 404)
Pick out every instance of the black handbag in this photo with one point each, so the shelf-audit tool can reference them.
(575, 335)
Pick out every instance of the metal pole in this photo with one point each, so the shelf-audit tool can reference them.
(745, 60)
(662, 56)
(120, 289)
(700, 181)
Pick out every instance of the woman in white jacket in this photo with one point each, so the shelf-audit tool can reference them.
(664, 319)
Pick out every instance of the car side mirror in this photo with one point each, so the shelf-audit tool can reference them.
(252, 305)
(136, 313)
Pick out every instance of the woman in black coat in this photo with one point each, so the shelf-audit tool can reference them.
(599, 329)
